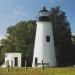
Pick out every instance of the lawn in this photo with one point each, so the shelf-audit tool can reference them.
(38, 71)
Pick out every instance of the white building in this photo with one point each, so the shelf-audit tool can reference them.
(14, 59)
(44, 49)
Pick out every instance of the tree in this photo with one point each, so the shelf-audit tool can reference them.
(21, 39)
(62, 36)
(1, 55)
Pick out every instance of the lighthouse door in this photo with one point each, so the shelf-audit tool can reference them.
(36, 60)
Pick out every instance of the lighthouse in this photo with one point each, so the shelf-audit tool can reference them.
(44, 50)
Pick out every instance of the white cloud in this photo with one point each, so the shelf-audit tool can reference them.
(54, 1)
(16, 12)
(60, 0)
(21, 13)
(2, 37)
(51, 1)
(26, 14)
(73, 33)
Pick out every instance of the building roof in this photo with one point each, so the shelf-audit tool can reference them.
(44, 10)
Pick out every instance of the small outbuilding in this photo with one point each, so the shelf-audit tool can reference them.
(14, 59)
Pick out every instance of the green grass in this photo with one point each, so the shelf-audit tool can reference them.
(38, 71)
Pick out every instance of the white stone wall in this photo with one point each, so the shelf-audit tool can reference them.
(44, 50)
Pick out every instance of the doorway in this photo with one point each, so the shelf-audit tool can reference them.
(16, 61)
(36, 61)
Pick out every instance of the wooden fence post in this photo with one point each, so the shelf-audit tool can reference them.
(42, 65)
(12, 64)
(7, 65)
(25, 64)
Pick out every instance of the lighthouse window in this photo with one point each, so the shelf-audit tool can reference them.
(47, 38)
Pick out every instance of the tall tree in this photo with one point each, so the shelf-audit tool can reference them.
(62, 36)
(21, 39)
(1, 55)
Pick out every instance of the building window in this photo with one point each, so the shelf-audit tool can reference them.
(47, 38)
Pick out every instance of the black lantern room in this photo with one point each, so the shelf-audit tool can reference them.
(44, 15)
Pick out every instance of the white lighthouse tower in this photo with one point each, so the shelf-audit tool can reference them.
(44, 49)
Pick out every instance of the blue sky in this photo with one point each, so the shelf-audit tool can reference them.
(13, 11)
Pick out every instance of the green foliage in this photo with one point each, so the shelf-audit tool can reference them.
(38, 71)
(21, 39)
(1, 56)
(62, 36)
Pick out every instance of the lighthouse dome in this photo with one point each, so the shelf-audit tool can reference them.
(44, 15)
